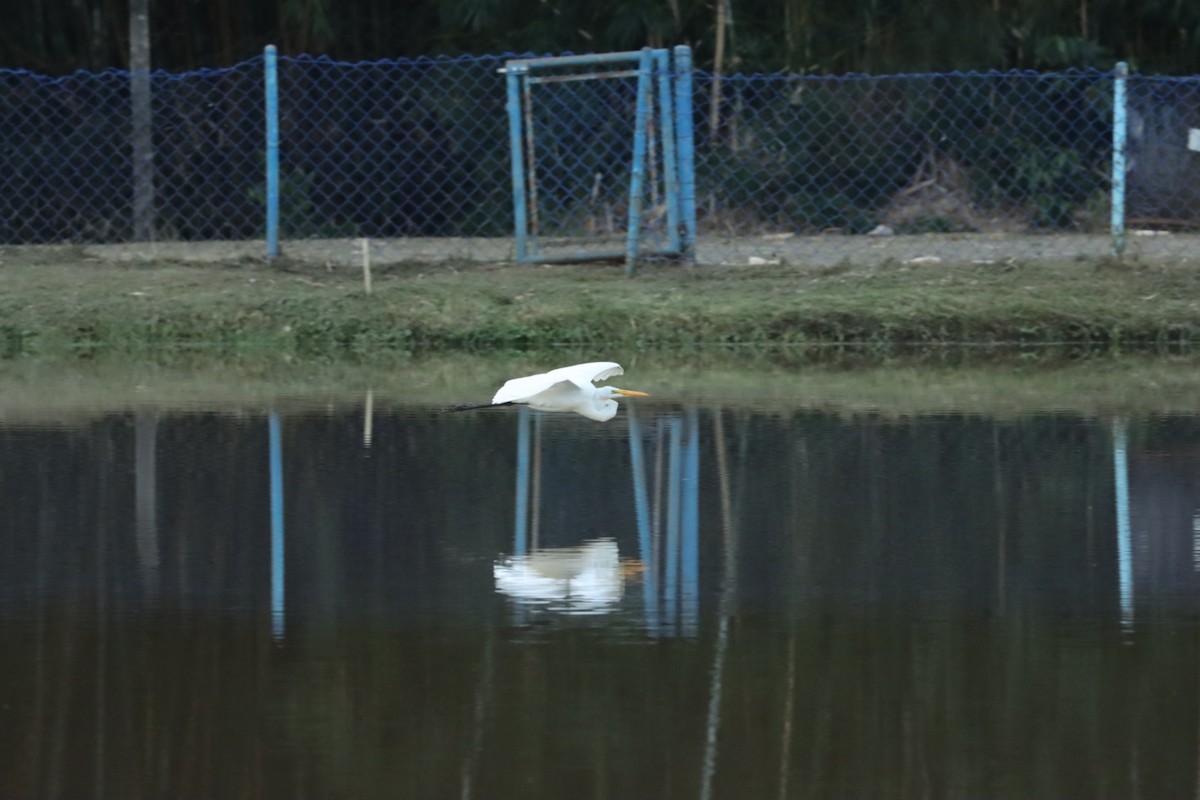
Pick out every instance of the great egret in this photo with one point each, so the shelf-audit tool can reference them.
(565, 389)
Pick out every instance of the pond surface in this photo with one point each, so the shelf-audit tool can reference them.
(685, 603)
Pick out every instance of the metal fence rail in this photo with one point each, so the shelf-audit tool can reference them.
(794, 167)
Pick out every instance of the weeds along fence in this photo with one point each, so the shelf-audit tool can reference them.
(789, 166)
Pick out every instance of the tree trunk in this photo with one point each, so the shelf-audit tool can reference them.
(797, 35)
(142, 118)
(714, 103)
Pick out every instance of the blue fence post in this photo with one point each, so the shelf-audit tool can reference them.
(685, 149)
(515, 137)
(639, 160)
(272, 111)
(662, 65)
(1120, 121)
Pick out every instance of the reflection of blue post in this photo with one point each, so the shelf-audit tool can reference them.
(671, 587)
(641, 508)
(690, 514)
(1124, 533)
(276, 461)
(521, 537)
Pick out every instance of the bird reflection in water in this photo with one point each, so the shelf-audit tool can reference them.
(587, 579)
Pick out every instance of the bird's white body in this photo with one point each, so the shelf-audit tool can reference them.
(568, 389)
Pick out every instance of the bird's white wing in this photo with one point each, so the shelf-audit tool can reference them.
(517, 390)
(520, 389)
(587, 373)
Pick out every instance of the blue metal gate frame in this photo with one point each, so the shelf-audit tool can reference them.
(675, 112)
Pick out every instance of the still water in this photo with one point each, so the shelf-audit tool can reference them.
(681, 603)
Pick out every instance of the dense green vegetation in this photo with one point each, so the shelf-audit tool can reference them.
(822, 36)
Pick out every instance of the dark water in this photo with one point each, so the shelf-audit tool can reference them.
(695, 604)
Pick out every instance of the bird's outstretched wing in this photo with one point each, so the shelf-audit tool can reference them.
(587, 373)
(519, 389)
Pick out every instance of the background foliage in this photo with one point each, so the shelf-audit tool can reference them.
(811, 36)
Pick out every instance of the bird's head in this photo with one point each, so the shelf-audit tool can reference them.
(603, 405)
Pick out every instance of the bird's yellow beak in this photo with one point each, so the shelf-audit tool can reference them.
(631, 393)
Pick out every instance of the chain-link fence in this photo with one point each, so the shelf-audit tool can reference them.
(920, 153)
(1164, 174)
(415, 155)
(66, 159)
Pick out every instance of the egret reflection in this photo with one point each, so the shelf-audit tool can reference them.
(576, 580)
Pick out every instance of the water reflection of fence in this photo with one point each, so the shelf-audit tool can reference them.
(102, 670)
(1120, 445)
(1156, 506)
(669, 532)
(665, 512)
(665, 471)
(666, 508)
(146, 514)
(275, 457)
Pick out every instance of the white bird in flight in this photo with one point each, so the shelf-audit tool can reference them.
(565, 389)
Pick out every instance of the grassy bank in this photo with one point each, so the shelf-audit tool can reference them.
(54, 302)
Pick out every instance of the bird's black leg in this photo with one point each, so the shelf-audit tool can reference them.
(476, 406)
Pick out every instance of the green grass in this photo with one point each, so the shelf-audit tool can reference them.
(56, 304)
